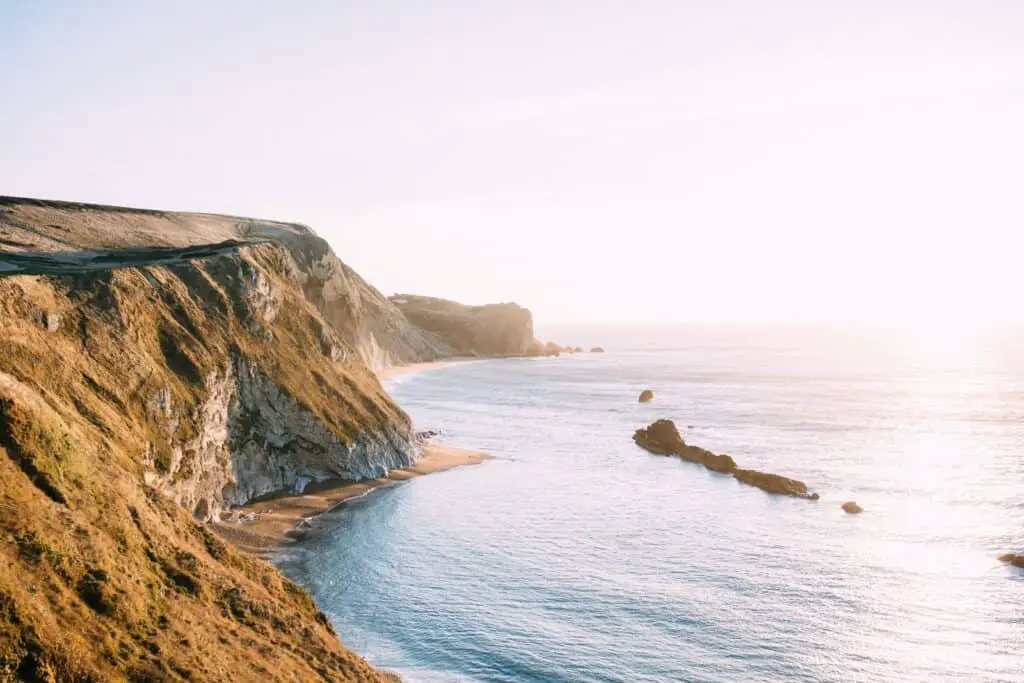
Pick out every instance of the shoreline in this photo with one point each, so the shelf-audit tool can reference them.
(276, 522)
(277, 518)
(393, 371)
(279, 521)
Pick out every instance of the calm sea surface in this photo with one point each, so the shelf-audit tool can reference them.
(576, 556)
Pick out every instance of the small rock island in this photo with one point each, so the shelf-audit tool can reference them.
(1012, 558)
(663, 438)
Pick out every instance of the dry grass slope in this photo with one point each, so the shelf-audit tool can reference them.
(102, 578)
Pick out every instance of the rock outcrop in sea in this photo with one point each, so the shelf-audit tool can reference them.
(662, 437)
(1013, 558)
(645, 396)
(596, 349)
(852, 507)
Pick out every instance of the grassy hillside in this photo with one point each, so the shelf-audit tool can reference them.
(105, 385)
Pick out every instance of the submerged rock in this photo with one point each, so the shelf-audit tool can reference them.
(646, 395)
(1012, 558)
(852, 507)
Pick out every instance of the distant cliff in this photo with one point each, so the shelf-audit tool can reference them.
(491, 330)
(156, 368)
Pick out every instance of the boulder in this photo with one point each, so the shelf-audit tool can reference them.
(660, 437)
(426, 435)
(852, 507)
(596, 349)
(1012, 558)
(774, 483)
(646, 395)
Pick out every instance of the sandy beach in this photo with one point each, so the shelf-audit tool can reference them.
(275, 518)
(399, 370)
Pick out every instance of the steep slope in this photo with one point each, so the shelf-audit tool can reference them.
(138, 401)
(490, 330)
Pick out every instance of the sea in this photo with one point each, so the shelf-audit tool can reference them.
(574, 555)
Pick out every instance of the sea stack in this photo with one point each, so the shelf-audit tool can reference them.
(646, 395)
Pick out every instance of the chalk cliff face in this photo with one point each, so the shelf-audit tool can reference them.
(490, 330)
(156, 368)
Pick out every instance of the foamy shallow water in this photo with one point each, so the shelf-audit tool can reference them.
(575, 556)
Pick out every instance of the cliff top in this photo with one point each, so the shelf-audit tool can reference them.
(45, 225)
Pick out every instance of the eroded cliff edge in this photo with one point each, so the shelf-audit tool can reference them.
(156, 368)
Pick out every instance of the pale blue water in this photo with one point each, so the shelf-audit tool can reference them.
(575, 556)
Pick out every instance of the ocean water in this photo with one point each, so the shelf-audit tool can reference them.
(576, 556)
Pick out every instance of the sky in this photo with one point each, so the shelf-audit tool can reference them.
(650, 161)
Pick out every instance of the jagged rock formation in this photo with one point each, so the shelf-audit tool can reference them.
(491, 330)
(1012, 558)
(851, 507)
(663, 438)
(142, 388)
(646, 395)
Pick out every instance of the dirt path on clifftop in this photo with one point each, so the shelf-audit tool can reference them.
(76, 262)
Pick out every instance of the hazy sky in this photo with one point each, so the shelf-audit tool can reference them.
(594, 161)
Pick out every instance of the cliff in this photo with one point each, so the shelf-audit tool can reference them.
(53, 237)
(156, 368)
(490, 330)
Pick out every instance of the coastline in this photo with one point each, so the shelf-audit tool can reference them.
(277, 520)
(393, 371)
